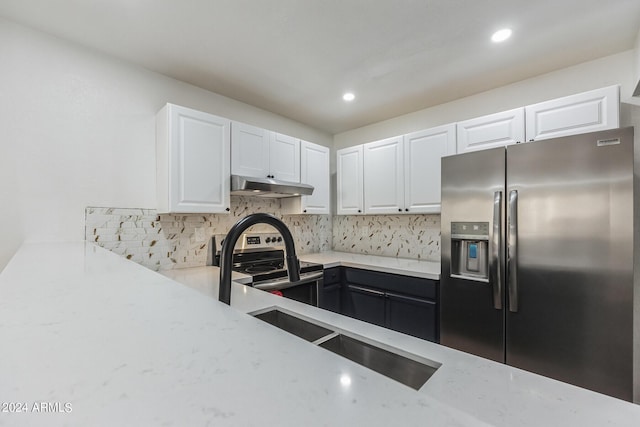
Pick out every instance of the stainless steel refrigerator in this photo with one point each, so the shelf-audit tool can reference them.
(537, 258)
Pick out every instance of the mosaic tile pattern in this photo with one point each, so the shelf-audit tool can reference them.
(162, 242)
(403, 236)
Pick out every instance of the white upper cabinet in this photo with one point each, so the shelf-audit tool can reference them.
(314, 170)
(260, 153)
(585, 112)
(284, 157)
(249, 150)
(494, 130)
(384, 176)
(192, 161)
(349, 181)
(394, 175)
(422, 153)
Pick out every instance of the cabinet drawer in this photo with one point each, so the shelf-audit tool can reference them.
(366, 304)
(332, 275)
(412, 316)
(415, 286)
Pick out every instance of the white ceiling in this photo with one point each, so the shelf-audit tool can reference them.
(296, 57)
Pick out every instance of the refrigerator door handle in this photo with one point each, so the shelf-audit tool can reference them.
(495, 251)
(512, 251)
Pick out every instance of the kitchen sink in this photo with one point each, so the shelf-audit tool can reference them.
(408, 371)
(294, 325)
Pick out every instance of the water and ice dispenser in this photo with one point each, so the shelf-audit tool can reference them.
(469, 250)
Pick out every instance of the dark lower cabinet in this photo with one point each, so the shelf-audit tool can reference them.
(366, 304)
(330, 297)
(412, 316)
(402, 303)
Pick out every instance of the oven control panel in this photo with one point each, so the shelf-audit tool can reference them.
(253, 240)
(261, 240)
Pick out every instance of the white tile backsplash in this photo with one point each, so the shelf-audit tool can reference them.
(162, 241)
(402, 236)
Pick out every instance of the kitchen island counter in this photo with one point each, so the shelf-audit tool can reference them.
(103, 341)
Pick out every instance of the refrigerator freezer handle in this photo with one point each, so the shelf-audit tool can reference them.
(495, 251)
(512, 251)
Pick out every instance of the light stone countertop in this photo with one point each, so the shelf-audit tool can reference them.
(403, 266)
(125, 346)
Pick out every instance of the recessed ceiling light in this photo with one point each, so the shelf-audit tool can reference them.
(348, 97)
(501, 35)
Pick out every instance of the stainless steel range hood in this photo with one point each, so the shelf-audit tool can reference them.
(268, 187)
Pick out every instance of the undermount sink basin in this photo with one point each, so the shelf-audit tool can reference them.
(294, 325)
(409, 372)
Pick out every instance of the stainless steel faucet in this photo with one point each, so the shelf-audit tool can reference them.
(226, 254)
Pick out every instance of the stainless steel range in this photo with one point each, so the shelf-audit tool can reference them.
(261, 256)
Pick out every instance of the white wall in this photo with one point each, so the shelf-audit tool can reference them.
(615, 69)
(77, 129)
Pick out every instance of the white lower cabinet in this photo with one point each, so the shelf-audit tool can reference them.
(491, 131)
(384, 176)
(314, 170)
(423, 151)
(591, 111)
(192, 161)
(349, 176)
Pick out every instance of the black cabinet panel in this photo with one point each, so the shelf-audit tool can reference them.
(412, 316)
(366, 304)
(402, 303)
(331, 297)
(332, 275)
(408, 285)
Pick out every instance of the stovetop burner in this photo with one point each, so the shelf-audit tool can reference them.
(262, 262)
(254, 269)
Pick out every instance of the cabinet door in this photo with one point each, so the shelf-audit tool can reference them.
(349, 181)
(249, 150)
(366, 304)
(193, 161)
(422, 153)
(384, 176)
(412, 316)
(284, 157)
(494, 130)
(585, 112)
(332, 275)
(330, 297)
(314, 171)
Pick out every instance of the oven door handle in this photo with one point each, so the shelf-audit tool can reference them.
(284, 283)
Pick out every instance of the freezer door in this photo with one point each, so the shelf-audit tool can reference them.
(570, 272)
(471, 296)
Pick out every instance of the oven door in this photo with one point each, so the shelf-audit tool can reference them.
(304, 290)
